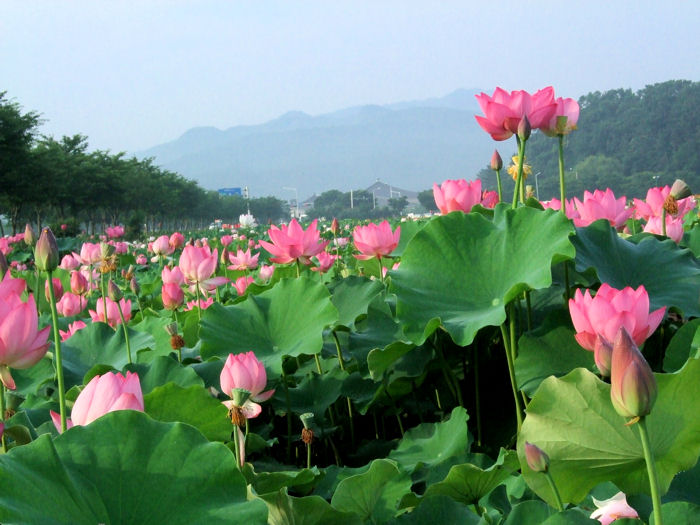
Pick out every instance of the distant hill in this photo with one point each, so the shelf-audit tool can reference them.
(409, 144)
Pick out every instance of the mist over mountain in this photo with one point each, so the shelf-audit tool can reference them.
(410, 144)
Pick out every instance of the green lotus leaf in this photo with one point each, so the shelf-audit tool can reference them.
(573, 421)
(163, 370)
(352, 296)
(287, 320)
(125, 468)
(684, 344)
(461, 270)
(310, 510)
(439, 509)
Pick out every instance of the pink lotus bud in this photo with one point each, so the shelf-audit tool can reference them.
(266, 272)
(496, 161)
(602, 353)
(141, 259)
(104, 394)
(78, 283)
(176, 240)
(134, 286)
(633, 387)
(29, 235)
(113, 291)
(173, 296)
(69, 262)
(536, 458)
(334, 226)
(244, 371)
(457, 195)
(57, 289)
(46, 251)
(70, 305)
(524, 128)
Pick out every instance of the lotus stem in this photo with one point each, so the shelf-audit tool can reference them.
(342, 367)
(318, 365)
(519, 180)
(508, 342)
(126, 331)
(57, 353)
(2, 415)
(651, 470)
(562, 181)
(663, 222)
(499, 186)
(103, 287)
(555, 491)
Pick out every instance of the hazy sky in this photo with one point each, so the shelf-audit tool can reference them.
(133, 74)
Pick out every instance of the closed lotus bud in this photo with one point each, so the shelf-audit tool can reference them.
(3, 265)
(633, 387)
(106, 250)
(46, 251)
(114, 292)
(334, 226)
(602, 353)
(78, 283)
(524, 128)
(57, 289)
(536, 458)
(496, 161)
(680, 190)
(29, 235)
(134, 285)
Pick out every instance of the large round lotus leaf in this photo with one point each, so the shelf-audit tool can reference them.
(572, 419)
(352, 297)
(125, 468)
(288, 320)
(461, 270)
(671, 275)
(99, 344)
(310, 510)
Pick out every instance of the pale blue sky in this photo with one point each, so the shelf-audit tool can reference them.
(133, 74)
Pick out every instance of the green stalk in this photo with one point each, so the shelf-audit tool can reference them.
(342, 367)
(450, 374)
(318, 365)
(103, 287)
(2, 415)
(126, 332)
(236, 445)
(476, 394)
(651, 470)
(557, 497)
(57, 353)
(381, 272)
(308, 456)
(199, 306)
(289, 417)
(36, 291)
(519, 180)
(562, 182)
(508, 343)
(500, 187)
(663, 222)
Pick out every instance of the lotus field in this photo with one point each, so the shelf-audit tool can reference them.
(517, 362)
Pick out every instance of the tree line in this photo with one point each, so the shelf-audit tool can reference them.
(48, 181)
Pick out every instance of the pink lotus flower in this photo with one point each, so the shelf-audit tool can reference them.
(71, 304)
(69, 262)
(555, 204)
(653, 205)
(375, 240)
(113, 318)
(674, 227)
(57, 289)
(604, 314)
(242, 283)
(172, 296)
(203, 304)
(602, 205)
(114, 232)
(78, 283)
(340, 242)
(292, 243)
(90, 253)
(633, 387)
(245, 371)
(11, 286)
(503, 111)
(103, 394)
(226, 240)
(161, 246)
(176, 240)
(612, 509)
(120, 248)
(5, 247)
(174, 276)
(198, 265)
(141, 259)
(265, 272)
(489, 199)
(74, 327)
(243, 260)
(457, 195)
(558, 125)
(22, 345)
(325, 262)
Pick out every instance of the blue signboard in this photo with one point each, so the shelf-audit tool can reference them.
(230, 191)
